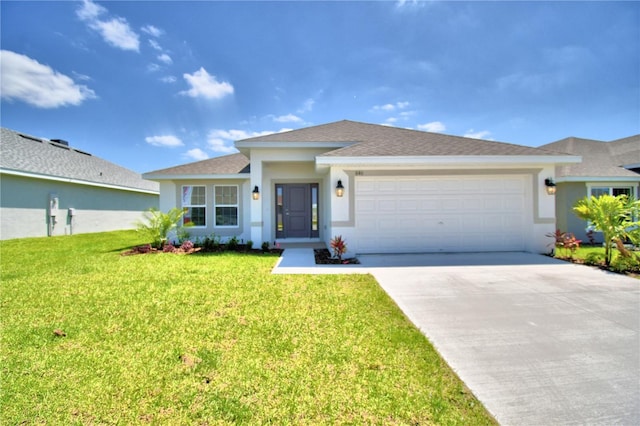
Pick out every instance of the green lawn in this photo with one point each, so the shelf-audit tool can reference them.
(207, 339)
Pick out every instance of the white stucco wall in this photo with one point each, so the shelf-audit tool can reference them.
(24, 206)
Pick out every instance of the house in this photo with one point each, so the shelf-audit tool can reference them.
(50, 188)
(607, 168)
(383, 189)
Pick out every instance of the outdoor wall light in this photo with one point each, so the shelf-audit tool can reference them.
(550, 186)
(256, 193)
(339, 189)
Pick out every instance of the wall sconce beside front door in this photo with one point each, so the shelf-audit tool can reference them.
(256, 193)
(339, 189)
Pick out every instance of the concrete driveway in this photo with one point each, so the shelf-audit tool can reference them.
(538, 341)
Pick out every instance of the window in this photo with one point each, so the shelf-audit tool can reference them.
(194, 202)
(226, 206)
(597, 191)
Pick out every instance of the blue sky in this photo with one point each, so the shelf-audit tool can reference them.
(149, 85)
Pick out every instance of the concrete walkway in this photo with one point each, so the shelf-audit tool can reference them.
(538, 341)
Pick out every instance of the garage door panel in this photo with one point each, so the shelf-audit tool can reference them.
(444, 214)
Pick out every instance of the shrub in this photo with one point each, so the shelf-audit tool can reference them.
(187, 246)
(232, 244)
(265, 247)
(625, 264)
(211, 243)
(338, 246)
(157, 225)
(565, 241)
(168, 248)
(594, 259)
(249, 245)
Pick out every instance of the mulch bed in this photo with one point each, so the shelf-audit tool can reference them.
(323, 257)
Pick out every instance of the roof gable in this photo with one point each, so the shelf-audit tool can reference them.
(30, 155)
(232, 164)
(374, 140)
(600, 159)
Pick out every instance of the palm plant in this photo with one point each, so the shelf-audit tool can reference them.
(159, 224)
(616, 217)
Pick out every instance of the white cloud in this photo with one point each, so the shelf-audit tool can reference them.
(391, 120)
(154, 44)
(152, 31)
(153, 67)
(481, 134)
(289, 118)
(307, 106)
(115, 31)
(168, 79)
(165, 58)
(89, 11)
(205, 85)
(391, 107)
(434, 126)
(196, 154)
(169, 141)
(27, 80)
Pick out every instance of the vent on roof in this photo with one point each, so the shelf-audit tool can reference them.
(60, 141)
(31, 138)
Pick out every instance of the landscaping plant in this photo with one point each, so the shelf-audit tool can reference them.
(616, 217)
(338, 246)
(158, 225)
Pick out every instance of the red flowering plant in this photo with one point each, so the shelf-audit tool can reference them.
(338, 246)
(565, 241)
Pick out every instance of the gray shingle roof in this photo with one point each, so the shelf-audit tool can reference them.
(374, 140)
(28, 154)
(599, 158)
(225, 165)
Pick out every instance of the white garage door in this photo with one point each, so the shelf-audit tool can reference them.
(440, 214)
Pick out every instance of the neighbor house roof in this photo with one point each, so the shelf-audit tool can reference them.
(374, 140)
(25, 155)
(600, 160)
(228, 165)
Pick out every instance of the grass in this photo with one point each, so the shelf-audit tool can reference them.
(207, 339)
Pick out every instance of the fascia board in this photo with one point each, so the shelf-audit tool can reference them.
(76, 181)
(336, 145)
(447, 160)
(236, 176)
(598, 179)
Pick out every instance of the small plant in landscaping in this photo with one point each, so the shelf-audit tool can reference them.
(249, 245)
(232, 244)
(590, 237)
(211, 243)
(168, 248)
(265, 247)
(187, 246)
(565, 241)
(158, 225)
(338, 246)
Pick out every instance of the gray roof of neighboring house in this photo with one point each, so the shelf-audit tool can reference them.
(599, 159)
(374, 140)
(225, 165)
(35, 156)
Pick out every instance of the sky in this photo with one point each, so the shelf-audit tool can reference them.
(153, 84)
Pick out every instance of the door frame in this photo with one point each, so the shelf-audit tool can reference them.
(280, 203)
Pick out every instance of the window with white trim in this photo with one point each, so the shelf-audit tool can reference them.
(194, 203)
(226, 205)
(597, 191)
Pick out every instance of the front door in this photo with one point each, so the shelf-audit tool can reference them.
(297, 210)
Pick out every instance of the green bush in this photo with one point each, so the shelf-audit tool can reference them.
(625, 264)
(594, 259)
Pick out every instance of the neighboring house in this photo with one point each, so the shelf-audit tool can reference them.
(50, 188)
(384, 189)
(606, 168)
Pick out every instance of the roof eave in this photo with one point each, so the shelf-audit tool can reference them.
(159, 176)
(448, 160)
(76, 181)
(568, 179)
